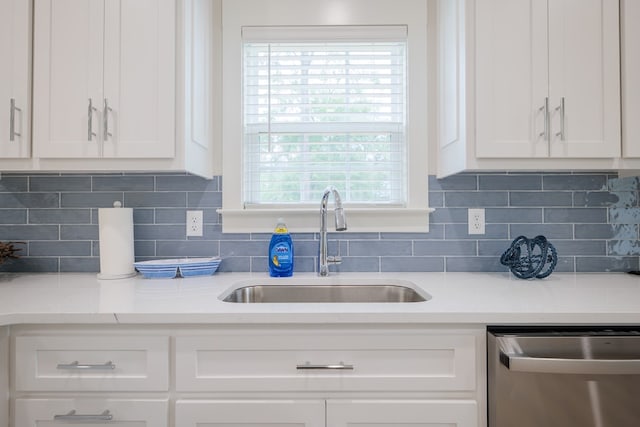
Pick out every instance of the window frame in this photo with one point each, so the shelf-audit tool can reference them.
(414, 217)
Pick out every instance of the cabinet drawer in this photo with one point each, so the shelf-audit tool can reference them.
(315, 360)
(254, 413)
(86, 363)
(75, 412)
(402, 413)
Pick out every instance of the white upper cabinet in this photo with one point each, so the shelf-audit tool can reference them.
(512, 78)
(547, 76)
(630, 37)
(15, 51)
(125, 85)
(139, 78)
(104, 78)
(536, 82)
(584, 78)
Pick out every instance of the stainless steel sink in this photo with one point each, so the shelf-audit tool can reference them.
(326, 293)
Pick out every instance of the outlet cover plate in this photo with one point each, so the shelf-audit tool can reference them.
(476, 221)
(194, 224)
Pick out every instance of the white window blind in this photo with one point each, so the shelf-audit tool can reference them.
(324, 105)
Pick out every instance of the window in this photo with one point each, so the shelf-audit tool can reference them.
(340, 100)
(320, 112)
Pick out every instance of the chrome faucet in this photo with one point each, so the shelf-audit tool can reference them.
(341, 225)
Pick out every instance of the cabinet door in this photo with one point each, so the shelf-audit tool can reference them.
(67, 77)
(630, 31)
(4, 376)
(584, 70)
(395, 413)
(511, 78)
(139, 78)
(250, 413)
(15, 51)
(76, 412)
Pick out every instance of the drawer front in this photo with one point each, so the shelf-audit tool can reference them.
(91, 363)
(253, 413)
(402, 413)
(395, 361)
(87, 412)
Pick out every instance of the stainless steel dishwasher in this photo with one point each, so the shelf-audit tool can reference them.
(563, 377)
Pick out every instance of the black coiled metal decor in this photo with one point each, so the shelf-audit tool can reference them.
(529, 258)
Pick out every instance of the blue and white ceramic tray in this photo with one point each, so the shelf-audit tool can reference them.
(185, 267)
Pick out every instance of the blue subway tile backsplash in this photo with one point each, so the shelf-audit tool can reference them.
(509, 182)
(540, 198)
(576, 182)
(593, 219)
(59, 183)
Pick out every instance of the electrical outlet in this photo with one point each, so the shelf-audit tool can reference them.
(194, 223)
(476, 221)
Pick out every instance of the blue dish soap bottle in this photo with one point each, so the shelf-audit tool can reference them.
(281, 252)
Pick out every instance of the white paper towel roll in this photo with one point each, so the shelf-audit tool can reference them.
(116, 242)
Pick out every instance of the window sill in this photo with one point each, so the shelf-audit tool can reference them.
(359, 220)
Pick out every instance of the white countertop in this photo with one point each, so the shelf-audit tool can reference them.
(464, 298)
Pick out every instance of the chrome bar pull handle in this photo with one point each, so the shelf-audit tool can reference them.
(339, 367)
(545, 109)
(12, 120)
(83, 366)
(560, 108)
(73, 416)
(105, 119)
(558, 365)
(91, 110)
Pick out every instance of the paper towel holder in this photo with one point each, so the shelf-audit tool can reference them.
(116, 242)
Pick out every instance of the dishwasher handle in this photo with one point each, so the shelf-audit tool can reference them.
(553, 365)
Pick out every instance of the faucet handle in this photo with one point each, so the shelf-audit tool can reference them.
(334, 259)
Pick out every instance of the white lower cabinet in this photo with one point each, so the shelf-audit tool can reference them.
(87, 376)
(333, 413)
(363, 376)
(247, 376)
(80, 412)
